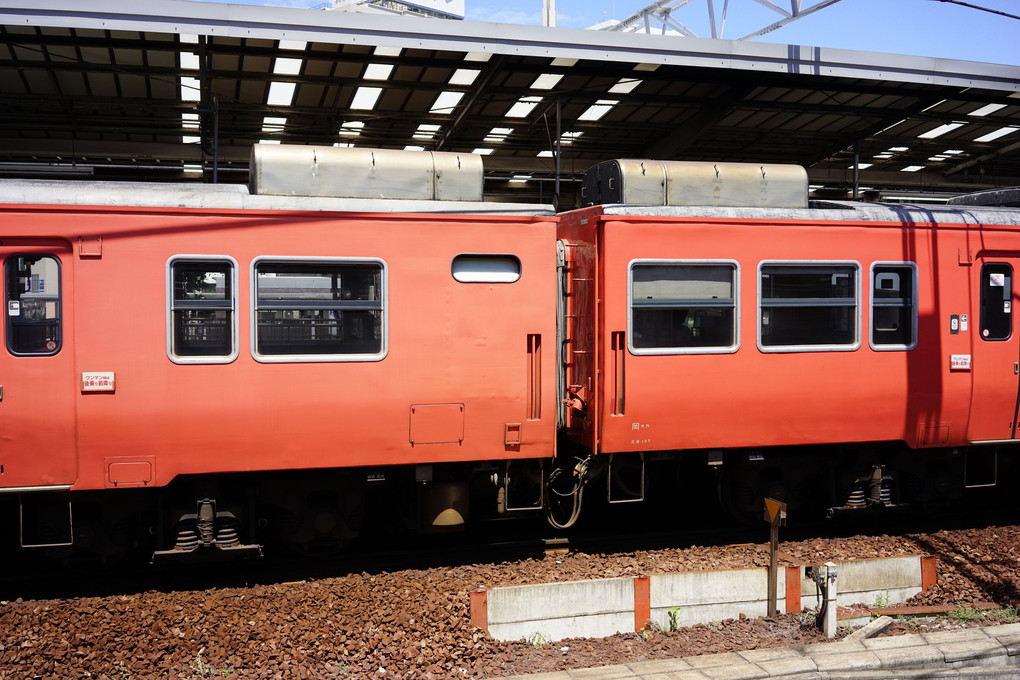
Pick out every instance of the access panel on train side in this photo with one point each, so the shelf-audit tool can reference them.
(273, 341)
(727, 333)
(37, 380)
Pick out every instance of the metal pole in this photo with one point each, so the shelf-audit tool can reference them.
(857, 172)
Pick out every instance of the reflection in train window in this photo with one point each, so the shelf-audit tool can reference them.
(203, 310)
(808, 306)
(996, 301)
(893, 307)
(471, 268)
(683, 307)
(319, 310)
(33, 305)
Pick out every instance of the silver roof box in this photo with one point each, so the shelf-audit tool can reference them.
(692, 183)
(279, 170)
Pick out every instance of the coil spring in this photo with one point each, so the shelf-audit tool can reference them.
(226, 533)
(856, 499)
(187, 538)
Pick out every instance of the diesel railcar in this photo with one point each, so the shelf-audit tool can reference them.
(205, 370)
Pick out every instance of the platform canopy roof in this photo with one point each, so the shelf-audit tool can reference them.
(113, 89)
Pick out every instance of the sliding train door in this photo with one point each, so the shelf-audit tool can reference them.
(995, 360)
(37, 381)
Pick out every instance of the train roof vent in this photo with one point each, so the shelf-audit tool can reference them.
(997, 198)
(280, 170)
(689, 183)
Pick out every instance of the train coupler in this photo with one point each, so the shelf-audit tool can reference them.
(207, 534)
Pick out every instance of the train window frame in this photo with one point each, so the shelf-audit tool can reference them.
(855, 304)
(16, 309)
(984, 302)
(877, 302)
(229, 305)
(727, 303)
(382, 305)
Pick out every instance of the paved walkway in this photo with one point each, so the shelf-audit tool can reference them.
(992, 652)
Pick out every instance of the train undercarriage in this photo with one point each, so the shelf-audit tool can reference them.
(322, 512)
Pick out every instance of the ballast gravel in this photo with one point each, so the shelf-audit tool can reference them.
(416, 623)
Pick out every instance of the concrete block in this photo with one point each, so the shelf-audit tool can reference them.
(701, 597)
(1010, 642)
(562, 610)
(864, 582)
(841, 647)
(1004, 629)
(926, 656)
(684, 675)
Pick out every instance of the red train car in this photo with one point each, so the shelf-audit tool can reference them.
(229, 358)
(852, 354)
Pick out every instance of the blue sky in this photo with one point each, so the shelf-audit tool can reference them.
(931, 28)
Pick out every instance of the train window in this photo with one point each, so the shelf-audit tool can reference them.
(996, 301)
(679, 307)
(468, 268)
(324, 310)
(33, 305)
(893, 307)
(202, 309)
(810, 306)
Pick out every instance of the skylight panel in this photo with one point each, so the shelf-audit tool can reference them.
(190, 140)
(565, 62)
(986, 110)
(546, 81)
(189, 38)
(570, 137)
(189, 61)
(991, 136)
(351, 128)
(365, 98)
(281, 94)
(952, 152)
(912, 168)
(426, 131)
(519, 179)
(287, 67)
(477, 56)
(191, 89)
(273, 124)
(387, 51)
(296, 45)
(899, 148)
(378, 71)
(497, 135)
(937, 159)
(190, 121)
(269, 141)
(464, 76)
(940, 130)
(482, 151)
(625, 86)
(545, 154)
(646, 67)
(861, 166)
(523, 107)
(343, 145)
(412, 147)
(446, 102)
(598, 109)
(883, 156)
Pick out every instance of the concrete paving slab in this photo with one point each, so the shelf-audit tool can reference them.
(643, 668)
(841, 647)
(894, 642)
(1004, 630)
(911, 657)
(737, 671)
(856, 661)
(955, 635)
(969, 650)
(686, 675)
(603, 673)
(770, 654)
(1010, 642)
(708, 660)
(784, 667)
